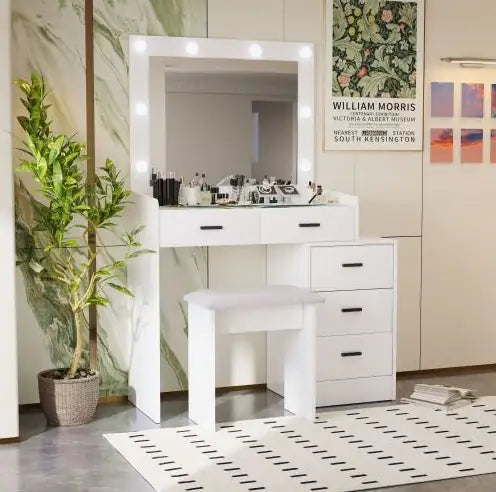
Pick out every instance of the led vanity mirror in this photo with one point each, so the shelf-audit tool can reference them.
(232, 117)
(220, 107)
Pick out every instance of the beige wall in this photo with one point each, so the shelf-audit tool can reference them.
(9, 426)
(208, 133)
(276, 156)
(209, 123)
(389, 184)
(459, 239)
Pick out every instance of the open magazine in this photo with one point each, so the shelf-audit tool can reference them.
(439, 396)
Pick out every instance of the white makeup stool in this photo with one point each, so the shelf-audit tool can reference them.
(272, 308)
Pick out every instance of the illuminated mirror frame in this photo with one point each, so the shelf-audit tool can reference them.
(147, 94)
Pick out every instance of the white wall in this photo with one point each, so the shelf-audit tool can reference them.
(9, 426)
(209, 122)
(389, 184)
(459, 242)
(276, 153)
(209, 132)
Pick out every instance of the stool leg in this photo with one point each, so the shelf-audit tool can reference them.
(299, 370)
(201, 367)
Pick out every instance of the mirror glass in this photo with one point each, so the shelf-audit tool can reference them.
(231, 117)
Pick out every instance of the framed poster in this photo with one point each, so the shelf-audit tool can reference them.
(374, 74)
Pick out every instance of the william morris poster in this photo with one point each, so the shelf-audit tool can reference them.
(374, 74)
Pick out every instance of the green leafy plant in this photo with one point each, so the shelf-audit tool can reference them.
(69, 212)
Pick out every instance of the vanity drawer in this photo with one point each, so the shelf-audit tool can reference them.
(308, 224)
(352, 267)
(203, 227)
(354, 312)
(354, 356)
(361, 390)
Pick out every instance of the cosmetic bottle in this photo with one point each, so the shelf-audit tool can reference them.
(232, 195)
(163, 191)
(205, 196)
(181, 199)
(310, 191)
(193, 191)
(203, 182)
(154, 183)
(170, 185)
(160, 189)
(214, 190)
(316, 198)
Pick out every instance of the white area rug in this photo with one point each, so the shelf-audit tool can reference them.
(346, 451)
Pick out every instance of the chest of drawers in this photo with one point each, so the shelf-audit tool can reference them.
(356, 326)
(252, 225)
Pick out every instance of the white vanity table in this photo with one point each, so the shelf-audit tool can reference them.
(310, 246)
(314, 247)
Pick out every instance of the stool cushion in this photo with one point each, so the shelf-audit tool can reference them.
(272, 295)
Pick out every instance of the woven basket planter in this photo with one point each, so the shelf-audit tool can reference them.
(68, 401)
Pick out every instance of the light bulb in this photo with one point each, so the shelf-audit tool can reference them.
(141, 166)
(141, 109)
(305, 111)
(256, 50)
(192, 48)
(305, 165)
(306, 52)
(140, 46)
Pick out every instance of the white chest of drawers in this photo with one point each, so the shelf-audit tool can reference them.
(356, 327)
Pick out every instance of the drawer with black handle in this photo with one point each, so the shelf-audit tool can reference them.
(355, 312)
(364, 266)
(296, 225)
(354, 356)
(208, 227)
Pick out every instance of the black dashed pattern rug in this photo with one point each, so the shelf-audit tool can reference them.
(341, 451)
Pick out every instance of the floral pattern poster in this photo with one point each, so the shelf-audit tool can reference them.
(374, 60)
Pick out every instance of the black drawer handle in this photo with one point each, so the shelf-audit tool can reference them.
(352, 265)
(211, 228)
(351, 310)
(309, 224)
(351, 354)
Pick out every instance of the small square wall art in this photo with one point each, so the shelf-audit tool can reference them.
(472, 100)
(493, 147)
(472, 145)
(442, 99)
(493, 101)
(442, 145)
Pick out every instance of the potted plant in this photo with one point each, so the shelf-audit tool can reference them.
(71, 211)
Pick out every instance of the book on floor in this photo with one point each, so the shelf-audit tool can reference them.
(439, 396)
(448, 407)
